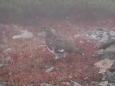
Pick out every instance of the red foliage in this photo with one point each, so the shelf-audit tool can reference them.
(29, 61)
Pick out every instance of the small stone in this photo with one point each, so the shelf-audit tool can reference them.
(45, 84)
(29, 85)
(102, 71)
(51, 69)
(75, 83)
(78, 35)
(83, 42)
(66, 83)
(8, 50)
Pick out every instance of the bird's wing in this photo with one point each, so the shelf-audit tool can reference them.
(61, 44)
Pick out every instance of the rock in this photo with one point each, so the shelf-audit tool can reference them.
(112, 33)
(105, 64)
(104, 45)
(24, 35)
(8, 50)
(3, 83)
(51, 69)
(111, 78)
(101, 35)
(112, 68)
(75, 83)
(96, 34)
(111, 84)
(105, 37)
(103, 83)
(102, 71)
(66, 83)
(45, 84)
(29, 85)
(104, 55)
(76, 36)
(110, 49)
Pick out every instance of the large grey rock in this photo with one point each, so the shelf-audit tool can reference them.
(111, 78)
(99, 35)
(104, 45)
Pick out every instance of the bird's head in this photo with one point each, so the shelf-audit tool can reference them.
(45, 31)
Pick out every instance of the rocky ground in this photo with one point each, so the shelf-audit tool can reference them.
(24, 62)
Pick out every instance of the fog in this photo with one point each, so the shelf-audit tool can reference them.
(57, 42)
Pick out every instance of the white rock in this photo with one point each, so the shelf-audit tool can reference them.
(112, 33)
(105, 64)
(78, 35)
(51, 69)
(8, 50)
(45, 84)
(101, 71)
(75, 83)
(25, 35)
(103, 83)
(66, 83)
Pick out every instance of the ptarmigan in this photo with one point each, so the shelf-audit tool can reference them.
(58, 45)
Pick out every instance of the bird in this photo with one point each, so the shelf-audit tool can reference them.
(59, 45)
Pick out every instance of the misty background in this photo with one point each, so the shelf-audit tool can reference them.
(31, 11)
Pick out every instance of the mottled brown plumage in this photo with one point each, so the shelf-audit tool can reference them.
(59, 45)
